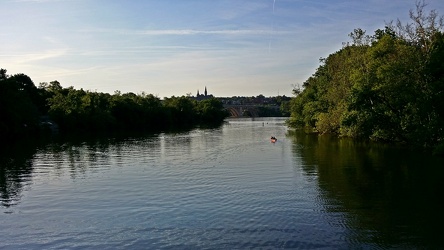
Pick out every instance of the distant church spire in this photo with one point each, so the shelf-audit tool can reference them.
(197, 93)
(205, 90)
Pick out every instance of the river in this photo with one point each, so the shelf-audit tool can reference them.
(220, 188)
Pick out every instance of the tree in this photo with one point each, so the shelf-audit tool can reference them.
(181, 111)
(388, 86)
(18, 113)
(423, 28)
(211, 111)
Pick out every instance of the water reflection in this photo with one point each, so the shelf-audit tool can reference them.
(77, 157)
(15, 171)
(20, 162)
(229, 184)
(388, 195)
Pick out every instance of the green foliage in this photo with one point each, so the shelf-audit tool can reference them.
(285, 108)
(25, 108)
(78, 110)
(19, 116)
(389, 86)
(211, 111)
(181, 111)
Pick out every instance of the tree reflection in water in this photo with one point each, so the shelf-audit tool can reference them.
(390, 193)
(15, 171)
(17, 159)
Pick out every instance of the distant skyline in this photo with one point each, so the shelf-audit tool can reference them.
(175, 47)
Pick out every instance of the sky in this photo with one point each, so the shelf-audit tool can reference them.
(177, 47)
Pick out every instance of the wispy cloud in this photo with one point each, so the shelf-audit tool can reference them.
(34, 57)
(191, 32)
(212, 32)
(39, 1)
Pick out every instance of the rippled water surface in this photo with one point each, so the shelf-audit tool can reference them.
(224, 188)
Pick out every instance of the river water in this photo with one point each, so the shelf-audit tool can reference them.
(222, 188)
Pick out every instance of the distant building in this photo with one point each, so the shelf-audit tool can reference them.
(200, 97)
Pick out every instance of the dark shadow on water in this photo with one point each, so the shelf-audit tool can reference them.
(81, 151)
(15, 169)
(390, 194)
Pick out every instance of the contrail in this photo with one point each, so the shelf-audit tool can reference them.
(272, 28)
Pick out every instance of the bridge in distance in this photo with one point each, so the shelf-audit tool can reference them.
(245, 110)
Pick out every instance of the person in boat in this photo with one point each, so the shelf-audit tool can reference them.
(273, 138)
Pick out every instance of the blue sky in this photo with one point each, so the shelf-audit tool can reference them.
(175, 47)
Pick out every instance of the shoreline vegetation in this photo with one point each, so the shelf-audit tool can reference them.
(388, 86)
(28, 112)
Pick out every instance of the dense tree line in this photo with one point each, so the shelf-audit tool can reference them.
(388, 86)
(26, 109)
